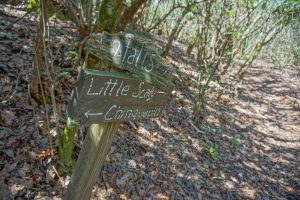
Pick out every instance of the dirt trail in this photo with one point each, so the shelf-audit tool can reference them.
(255, 130)
(265, 117)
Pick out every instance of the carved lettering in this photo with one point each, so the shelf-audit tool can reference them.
(116, 49)
(125, 90)
(110, 109)
(131, 58)
(148, 68)
(111, 97)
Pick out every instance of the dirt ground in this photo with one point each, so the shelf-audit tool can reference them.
(253, 131)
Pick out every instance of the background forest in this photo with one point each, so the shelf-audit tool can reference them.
(230, 129)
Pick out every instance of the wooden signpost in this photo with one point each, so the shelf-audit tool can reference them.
(140, 92)
(113, 97)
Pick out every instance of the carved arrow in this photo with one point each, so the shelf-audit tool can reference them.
(162, 92)
(88, 113)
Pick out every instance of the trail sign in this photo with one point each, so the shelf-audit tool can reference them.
(133, 53)
(110, 97)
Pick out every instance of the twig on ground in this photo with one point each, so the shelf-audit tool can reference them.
(9, 96)
(193, 125)
(133, 125)
(55, 171)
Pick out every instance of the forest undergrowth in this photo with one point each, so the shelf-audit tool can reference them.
(246, 146)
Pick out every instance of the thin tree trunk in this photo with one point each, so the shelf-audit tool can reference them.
(139, 15)
(174, 31)
(128, 14)
(37, 89)
(179, 30)
(161, 20)
(155, 12)
(191, 46)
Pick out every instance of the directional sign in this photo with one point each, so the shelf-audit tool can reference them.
(133, 53)
(108, 97)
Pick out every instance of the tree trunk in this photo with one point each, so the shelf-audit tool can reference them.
(162, 19)
(174, 31)
(38, 90)
(128, 14)
(191, 46)
(179, 30)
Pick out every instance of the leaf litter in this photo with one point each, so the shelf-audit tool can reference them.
(253, 131)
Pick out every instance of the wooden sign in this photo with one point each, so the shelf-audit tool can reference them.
(133, 53)
(110, 97)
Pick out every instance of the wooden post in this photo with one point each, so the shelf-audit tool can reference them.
(91, 158)
(113, 97)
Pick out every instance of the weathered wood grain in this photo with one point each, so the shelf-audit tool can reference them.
(91, 158)
(107, 97)
(134, 53)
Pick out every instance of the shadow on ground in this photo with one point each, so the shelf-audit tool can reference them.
(255, 136)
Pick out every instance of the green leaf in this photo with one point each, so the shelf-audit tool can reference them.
(228, 53)
(65, 74)
(58, 69)
(190, 16)
(218, 178)
(243, 57)
(128, 3)
(209, 70)
(234, 142)
(194, 8)
(74, 54)
(236, 35)
(229, 33)
(210, 150)
(33, 6)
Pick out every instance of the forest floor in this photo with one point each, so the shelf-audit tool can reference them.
(247, 146)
